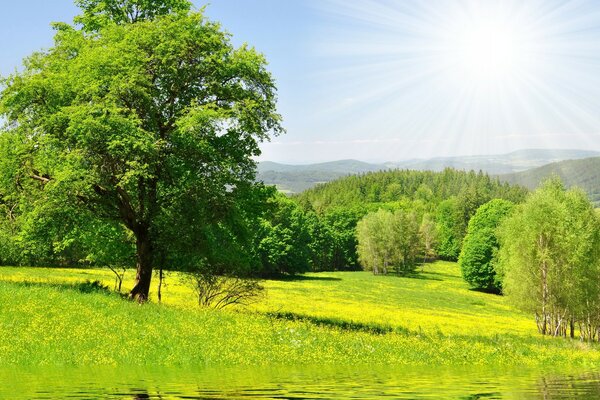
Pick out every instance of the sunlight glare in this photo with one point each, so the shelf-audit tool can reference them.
(461, 77)
(488, 49)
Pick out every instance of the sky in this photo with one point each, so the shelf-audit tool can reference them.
(394, 80)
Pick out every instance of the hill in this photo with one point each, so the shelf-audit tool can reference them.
(341, 166)
(584, 173)
(429, 187)
(297, 178)
(337, 318)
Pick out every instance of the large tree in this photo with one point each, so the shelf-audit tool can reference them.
(142, 114)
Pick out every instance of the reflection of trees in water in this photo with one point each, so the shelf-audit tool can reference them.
(478, 396)
(569, 387)
(143, 395)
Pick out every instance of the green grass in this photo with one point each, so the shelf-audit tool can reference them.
(48, 318)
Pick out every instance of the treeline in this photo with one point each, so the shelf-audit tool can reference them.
(405, 216)
(264, 233)
(426, 186)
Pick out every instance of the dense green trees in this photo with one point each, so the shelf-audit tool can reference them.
(451, 196)
(549, 256)
(143, 120)
(478, 254)
(429, 187)
(449, 229)
(284, 238)
(389, 239)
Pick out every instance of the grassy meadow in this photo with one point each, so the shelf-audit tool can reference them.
(48, 317)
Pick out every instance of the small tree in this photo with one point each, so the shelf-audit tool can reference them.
(405, 240)
(429, 236)
(370, 248)
(387, 239)
(478, 255)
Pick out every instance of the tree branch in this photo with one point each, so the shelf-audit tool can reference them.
(40, 178)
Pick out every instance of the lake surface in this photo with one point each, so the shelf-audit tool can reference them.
(298, 383)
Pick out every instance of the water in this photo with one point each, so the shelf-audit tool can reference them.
(298, 383)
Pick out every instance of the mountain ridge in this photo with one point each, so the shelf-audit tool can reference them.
(297, 178)
(583, 173)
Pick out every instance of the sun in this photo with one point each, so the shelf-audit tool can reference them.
(461, 77)
(488, 51)
(488, 47)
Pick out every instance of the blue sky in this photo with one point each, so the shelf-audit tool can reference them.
(382, 80)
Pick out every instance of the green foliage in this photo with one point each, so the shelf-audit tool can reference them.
(478, 255)
(429, 234)
(100, 13)
(448, 222)
(549, 255)
(146, 128)
(284, 239)
(341, 225)
(387, 239)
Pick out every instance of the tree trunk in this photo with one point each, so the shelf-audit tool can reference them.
(143, 276)
(544, 296)
(572, 326)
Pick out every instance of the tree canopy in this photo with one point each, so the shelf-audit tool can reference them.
(145, 125)
(100, 13)
(388, 240)
(549, 251)
(478, 254)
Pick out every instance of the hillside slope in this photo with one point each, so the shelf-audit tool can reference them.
(297, 178)
(393, 185)
(338, 318)
(584, 173)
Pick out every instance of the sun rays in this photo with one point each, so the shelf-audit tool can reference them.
(464, 76)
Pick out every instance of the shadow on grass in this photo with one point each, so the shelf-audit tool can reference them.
(294, 278)
(487, 291)
(415, 275)
(442, 274)
(328, 322)
(81, 287)
(421, 275)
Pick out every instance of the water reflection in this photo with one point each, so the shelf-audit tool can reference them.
(585, 386)
(299, 383)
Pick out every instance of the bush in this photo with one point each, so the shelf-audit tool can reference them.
(478, 254)
(219, 291)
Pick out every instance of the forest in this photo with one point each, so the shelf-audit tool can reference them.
(313, 231)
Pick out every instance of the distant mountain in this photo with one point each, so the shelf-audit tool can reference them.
(583, 173)
(297, 178)
(516, 161)
(341, 166)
